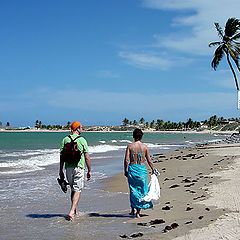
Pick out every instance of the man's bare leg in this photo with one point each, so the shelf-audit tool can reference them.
(75, 196)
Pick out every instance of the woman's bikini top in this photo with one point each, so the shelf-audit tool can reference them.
(140, 156)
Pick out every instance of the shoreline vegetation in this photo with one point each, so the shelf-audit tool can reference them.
(212, 125)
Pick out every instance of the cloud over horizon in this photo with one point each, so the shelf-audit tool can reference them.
(201, 17)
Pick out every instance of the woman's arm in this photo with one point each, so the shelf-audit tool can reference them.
(126, 159)
(149, 160)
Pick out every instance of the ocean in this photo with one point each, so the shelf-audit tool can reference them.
(32, 204)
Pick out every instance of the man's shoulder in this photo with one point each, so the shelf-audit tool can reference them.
(82, 139)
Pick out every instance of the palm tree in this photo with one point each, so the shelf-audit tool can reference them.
(142, 120)
(125, 121)
(227, 45)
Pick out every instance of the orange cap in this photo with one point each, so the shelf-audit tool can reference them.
(75, 125)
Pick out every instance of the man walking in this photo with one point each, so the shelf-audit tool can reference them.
(75, 170)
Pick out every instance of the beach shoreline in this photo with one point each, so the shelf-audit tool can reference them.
(145, 131)
(189, 177)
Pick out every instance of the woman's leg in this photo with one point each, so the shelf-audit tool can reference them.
(138, 213)
(132, 212)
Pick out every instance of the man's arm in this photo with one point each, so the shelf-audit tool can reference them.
(61, 174)
(126, 159)
(88, 163)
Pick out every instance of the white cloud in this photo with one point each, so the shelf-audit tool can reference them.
(203, 14)
(152, 60)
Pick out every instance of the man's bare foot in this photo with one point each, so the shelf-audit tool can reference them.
(138, 215)
(69, 217)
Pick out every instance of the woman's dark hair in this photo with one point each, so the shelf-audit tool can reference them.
(137, 134)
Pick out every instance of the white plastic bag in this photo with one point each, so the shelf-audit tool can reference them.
(153, 190)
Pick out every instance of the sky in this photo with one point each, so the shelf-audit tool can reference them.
(101, 61)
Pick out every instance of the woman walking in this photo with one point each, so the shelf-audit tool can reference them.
(136, 172)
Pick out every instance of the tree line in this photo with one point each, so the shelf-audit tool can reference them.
(40, 125)
(189, 124)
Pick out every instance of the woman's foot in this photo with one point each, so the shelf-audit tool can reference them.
(132, 212)
(138, 213)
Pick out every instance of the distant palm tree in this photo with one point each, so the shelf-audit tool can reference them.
(142, 120)
(134, 122)
(125, 121)
(228, 45)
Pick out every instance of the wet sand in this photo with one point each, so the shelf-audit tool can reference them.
(200, 195)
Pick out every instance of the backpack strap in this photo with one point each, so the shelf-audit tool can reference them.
(72, 140)
(76, 138)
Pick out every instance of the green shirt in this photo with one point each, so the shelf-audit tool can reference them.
(82, 146)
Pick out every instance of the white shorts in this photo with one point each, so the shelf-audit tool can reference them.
(75, 177)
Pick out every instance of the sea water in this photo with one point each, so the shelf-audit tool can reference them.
(32, 204)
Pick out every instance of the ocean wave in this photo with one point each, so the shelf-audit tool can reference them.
(28, 153)
(104, 148)
(34, 163)
(215, 140)
(124, 141)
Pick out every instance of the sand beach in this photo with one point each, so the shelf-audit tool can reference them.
(199, 195)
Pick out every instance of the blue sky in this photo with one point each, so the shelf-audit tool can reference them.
(101, 61)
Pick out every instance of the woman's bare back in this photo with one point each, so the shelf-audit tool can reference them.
(137, 153)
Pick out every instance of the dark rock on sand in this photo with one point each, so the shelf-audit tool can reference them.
(124, 236)
(174, 186)
(135, 235)
(189, 208)
(188, 222)
(142, 224)
(189, 185)
(200, 217)
(166, 208)
(186, 180)
(203, 196)
(174, 225)
(156, 221)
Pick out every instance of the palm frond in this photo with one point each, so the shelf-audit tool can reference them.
(212, 44)
(237, 48)
(218, 55)
(219, 30)
(233, 53)
(235, 37)
(232, 26)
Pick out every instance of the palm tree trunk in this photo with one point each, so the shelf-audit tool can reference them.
(234, 74)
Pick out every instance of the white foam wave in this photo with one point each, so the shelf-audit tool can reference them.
(102, 141)
(104, 148)
(215, 140)
(30, 164)
(27, 153)
(98, 175)
(124, 141)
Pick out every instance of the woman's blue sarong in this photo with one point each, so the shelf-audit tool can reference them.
(137, 180)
